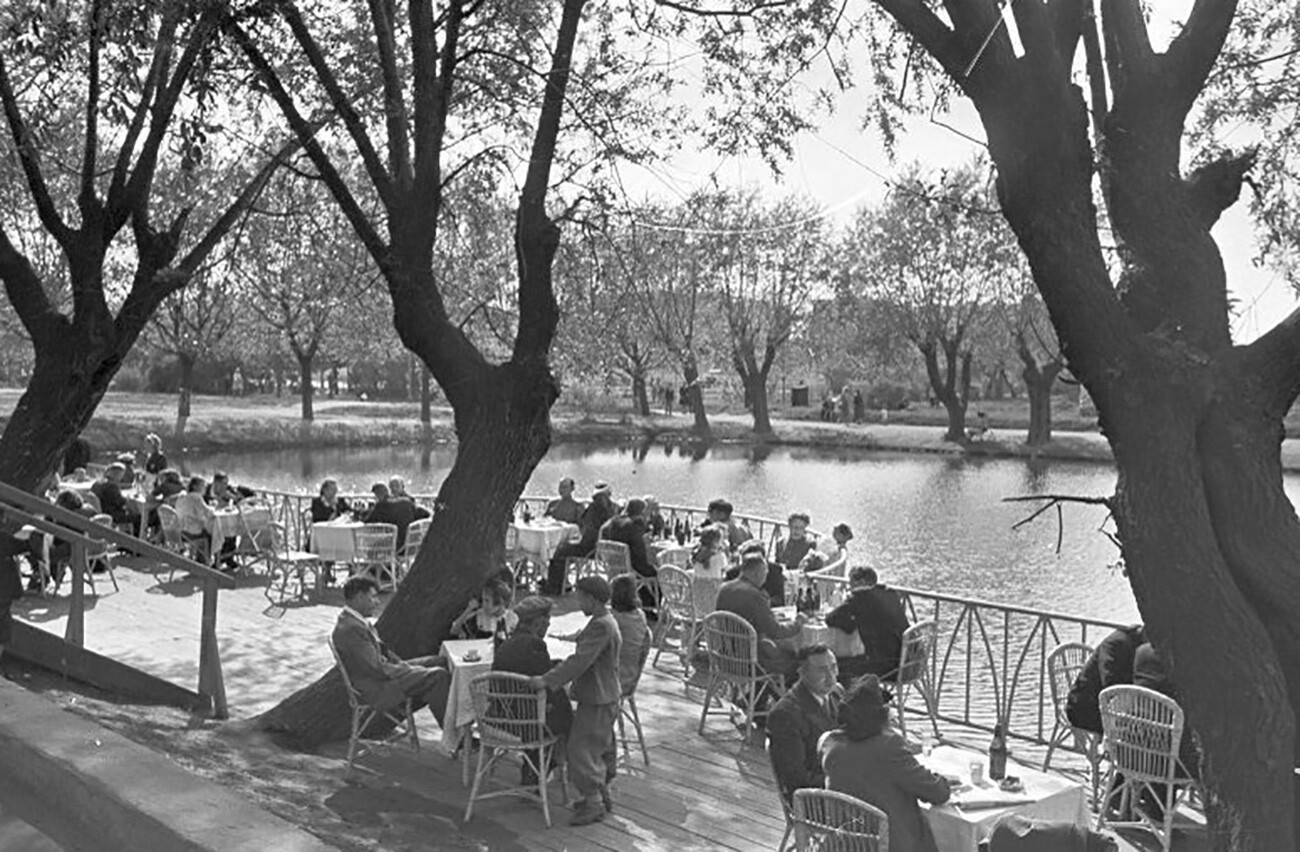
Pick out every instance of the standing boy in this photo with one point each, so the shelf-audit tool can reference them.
(593, 669)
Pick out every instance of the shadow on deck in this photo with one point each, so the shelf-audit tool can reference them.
(700, 792)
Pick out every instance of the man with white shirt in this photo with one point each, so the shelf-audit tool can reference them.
(798, 720)
(383, 679)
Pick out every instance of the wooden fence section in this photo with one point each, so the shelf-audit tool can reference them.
(21, 508)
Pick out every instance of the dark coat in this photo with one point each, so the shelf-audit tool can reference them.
(630, 531)
(878, 616)
(1111, 664)
(399, 513)
(794, 725)
(526, 654)
(322, 511)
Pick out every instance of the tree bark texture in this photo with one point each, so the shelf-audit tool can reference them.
(640, 396)
(1039, 379)
(951, 382)
(695, 398)
(1207, 534)
(307, 390)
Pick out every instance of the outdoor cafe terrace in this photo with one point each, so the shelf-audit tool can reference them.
(691, 791)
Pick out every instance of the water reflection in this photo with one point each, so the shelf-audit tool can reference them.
(934, 522)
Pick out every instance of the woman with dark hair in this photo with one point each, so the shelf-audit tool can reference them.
(632, 626)
(867, 759)
(328, 505)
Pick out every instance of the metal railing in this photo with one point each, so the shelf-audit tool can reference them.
(990, 663)
(292, 510)
(18, 507)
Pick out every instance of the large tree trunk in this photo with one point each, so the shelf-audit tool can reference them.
(186, 385)
(426, 397)
(640, 396)
(306, 387)
(502, 435)
(695, 398)
(951, 384)
(66, 387)
(1039, 379)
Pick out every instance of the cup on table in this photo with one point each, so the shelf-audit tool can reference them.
(976, 773)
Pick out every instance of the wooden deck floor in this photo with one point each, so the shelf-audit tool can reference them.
(700, 792)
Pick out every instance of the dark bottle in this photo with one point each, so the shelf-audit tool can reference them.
(528, 515)
(686, 530)
(814, 599)
(679, 532)
(998, 755)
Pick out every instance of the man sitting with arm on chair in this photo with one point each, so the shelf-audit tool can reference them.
(383, 679)
(876, 614)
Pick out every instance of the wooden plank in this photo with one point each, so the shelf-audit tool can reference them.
(49, 651)
(211, 683)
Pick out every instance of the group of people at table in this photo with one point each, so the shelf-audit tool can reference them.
(131, 498)
(612, 648)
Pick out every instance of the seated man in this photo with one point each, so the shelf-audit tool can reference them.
(598, 511)
(397, 489)
(628, 527)
(720, 515)
(565, 508)
(745, 597)
(195, 517)
(982, 430)
(525, 653)
(1111, 664)
(399, 513)
(798, 720)
(221, 494)
(383, 679)
(774, 585)
(875, 612)
(111, 500)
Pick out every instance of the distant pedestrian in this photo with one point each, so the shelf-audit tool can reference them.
(668, 400)
(859, 407)
(846, 401)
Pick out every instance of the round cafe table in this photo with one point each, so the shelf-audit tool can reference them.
(537, 540)
(332, 540)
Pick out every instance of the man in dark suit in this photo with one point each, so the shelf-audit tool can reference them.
(1111, 664)
(798, 720)
(875, 612)
(399, 513)
(628, 527)
(598, 511)
(111, 500)
(383, 679)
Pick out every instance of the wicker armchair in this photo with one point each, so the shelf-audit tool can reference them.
(826, 821)
(734, 673)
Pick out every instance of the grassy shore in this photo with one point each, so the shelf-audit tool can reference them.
(267, 422)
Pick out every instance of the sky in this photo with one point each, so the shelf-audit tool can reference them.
(841, 167)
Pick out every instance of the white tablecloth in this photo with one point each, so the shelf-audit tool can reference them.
(538, 540)
(226, 523)
(460, 706)
(960, 825)
(813, 632)
(332, 540)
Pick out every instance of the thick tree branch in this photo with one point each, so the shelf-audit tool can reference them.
(163, 46)
(1195, 49)
(538, 312)
(135, 196)
(23, 287)
(747, 12)
(305, 132)
(29, 159)
(352, 120)
(922, 24)
(1128, 45)
(399, 155)
(431, 91)
(86, 196)
(1275, 360)
(1216, 186)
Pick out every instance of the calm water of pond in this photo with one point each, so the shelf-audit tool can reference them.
(924, 521)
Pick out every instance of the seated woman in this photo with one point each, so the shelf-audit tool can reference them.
(196, 517)
(488, 616)
(328, 505)
(867, 759)
(625, 604)
(708, 565)
(166, 486)
(60, 550)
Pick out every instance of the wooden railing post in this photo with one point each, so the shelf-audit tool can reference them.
(76, 632)
(211, 683)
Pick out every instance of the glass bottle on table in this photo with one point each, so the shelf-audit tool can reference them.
(998, 754)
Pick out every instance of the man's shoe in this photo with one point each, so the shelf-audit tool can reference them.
(586, 813)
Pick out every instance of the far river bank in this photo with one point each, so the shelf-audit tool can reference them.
(250, 424)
